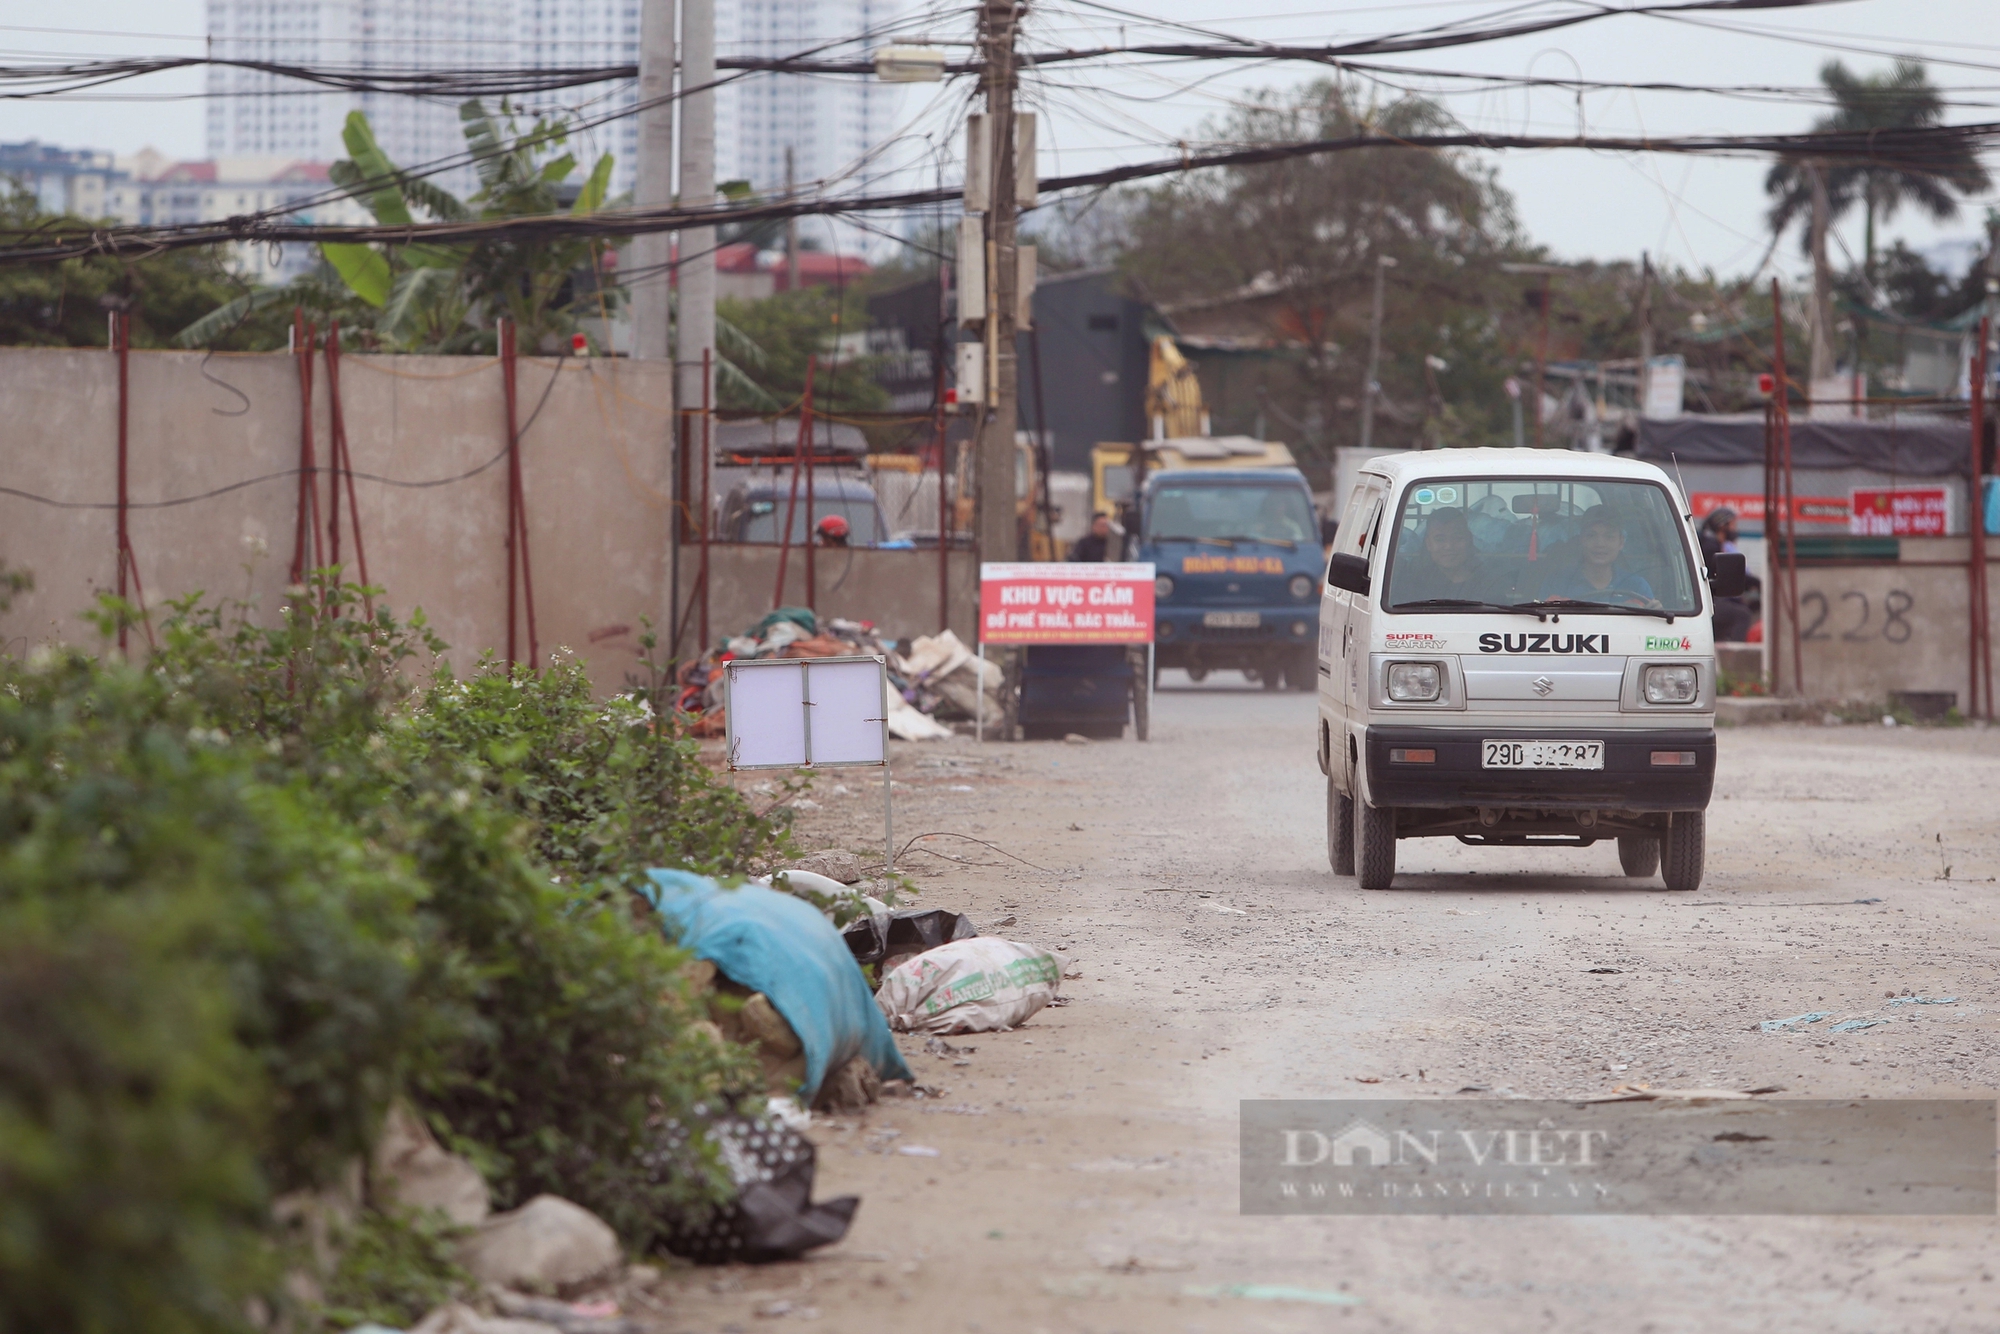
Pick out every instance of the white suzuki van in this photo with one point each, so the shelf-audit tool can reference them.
(1515, 648)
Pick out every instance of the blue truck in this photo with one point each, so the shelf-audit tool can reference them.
(1235, 544)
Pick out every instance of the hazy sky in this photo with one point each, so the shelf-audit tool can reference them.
(1690, 212)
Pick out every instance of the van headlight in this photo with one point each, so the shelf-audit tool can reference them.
(1163, 588)
(1672, 683)
(1301, 586)
(1414, 682)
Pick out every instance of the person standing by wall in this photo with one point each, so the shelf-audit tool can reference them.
(1732, 615)
(1095, 545)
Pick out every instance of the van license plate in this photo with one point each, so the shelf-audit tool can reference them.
(1231, 620)
(1543, 754)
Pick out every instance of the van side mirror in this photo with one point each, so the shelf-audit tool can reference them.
(1348, 572)
(1728, 574)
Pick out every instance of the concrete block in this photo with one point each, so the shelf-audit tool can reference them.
(547, 1243)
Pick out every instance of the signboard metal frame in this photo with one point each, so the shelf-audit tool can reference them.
(738, 728)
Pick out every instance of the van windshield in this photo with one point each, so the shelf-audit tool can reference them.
(1232, 511)
(1543, 539)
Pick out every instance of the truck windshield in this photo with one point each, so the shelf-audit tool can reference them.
(1230, 512)
(763, 518)
(1539, 540)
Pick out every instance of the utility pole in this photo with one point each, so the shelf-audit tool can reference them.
(1541, 360)
(1645, 329)
(1383, 263)
(995, 526)
(791, 228)
(1821, 366)
(648, 255)
(697, 267)
(1546, 272)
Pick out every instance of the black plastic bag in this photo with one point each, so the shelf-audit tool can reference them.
(911, 931)
(773, 1216)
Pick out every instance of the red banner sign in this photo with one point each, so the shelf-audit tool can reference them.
(1750, 509)
(1050, 603)
(1919, 512)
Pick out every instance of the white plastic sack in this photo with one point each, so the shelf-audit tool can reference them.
(939, 654)
(910, 724)
(980, 985)
(946, 665)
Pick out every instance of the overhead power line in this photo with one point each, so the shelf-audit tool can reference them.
(44, 80)
(1909, 148)
(401, 175)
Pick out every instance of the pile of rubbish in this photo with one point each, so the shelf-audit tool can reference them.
(933, 679)
(780, 975)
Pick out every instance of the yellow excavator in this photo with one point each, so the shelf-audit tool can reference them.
(1179, 420)
(1181, 438)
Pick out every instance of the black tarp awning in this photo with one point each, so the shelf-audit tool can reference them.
(1912, 446)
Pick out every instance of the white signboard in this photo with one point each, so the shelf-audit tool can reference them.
(1666, 380)
(807, 713)
(812, 713)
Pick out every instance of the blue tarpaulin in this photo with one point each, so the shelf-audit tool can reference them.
(787, 949)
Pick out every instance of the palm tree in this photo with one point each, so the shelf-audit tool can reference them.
(1932, 178)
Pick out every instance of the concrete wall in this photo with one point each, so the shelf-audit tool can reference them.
(1867, 630)
(595, 474)
(898, 590)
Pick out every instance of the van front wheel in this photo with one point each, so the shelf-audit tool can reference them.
(1639, 854)
(1374, 845)
(1683, 850)
(1339, 830)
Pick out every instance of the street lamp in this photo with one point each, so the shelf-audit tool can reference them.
(1383, 263)
(909, 64)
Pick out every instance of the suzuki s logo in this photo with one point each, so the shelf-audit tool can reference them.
(1543, 685)
(1667, 644)
(1545, 643)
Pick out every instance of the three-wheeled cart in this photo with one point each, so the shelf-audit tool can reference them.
(1090, 690)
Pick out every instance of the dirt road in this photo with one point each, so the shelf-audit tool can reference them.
(1080, 1174)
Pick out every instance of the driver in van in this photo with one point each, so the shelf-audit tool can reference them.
(1278, 520)
(1598, 575)
(1449, 566)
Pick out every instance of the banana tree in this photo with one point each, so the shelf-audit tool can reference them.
(426, 297)
(444, 298)
(321, 292)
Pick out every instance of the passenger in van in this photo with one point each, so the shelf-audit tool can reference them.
(1598, 576)
(1449, 566)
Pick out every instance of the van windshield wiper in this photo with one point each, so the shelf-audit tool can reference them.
(1284, 542)
(1462, 603)
(1556, 607)
(1190, 537)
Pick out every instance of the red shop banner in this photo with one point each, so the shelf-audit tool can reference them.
(1056, 603)
(1750, 508)
(1912, 512)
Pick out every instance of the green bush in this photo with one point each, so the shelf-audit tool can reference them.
(610, 790)
(112, 789)
(394, 1265)
(131, 1195)
(255, 888)
(584, 1037)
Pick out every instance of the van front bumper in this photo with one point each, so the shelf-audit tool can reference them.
(1629, 780)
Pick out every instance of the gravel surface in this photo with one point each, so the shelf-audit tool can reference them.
(1085, 1174)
